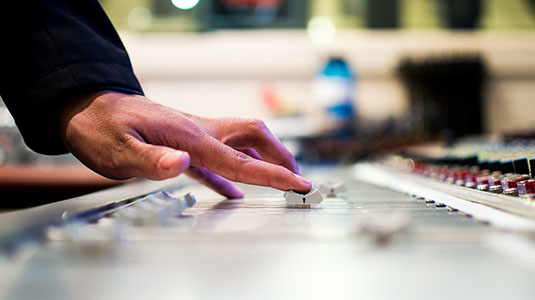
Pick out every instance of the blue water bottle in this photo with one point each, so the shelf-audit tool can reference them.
(334, 90)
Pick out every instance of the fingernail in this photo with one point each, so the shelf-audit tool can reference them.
(170, 159)
(235, 193)
(303, 180)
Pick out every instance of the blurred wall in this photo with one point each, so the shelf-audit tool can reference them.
(138, 15)
(223, 73)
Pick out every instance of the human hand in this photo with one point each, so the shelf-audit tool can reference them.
(122, 136)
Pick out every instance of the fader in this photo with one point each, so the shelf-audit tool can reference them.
(312, 197)
(332, 189)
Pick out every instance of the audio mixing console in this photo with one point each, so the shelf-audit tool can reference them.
(496, 173)
(398, 228)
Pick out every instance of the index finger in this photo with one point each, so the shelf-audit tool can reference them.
(274, 151)
(254, 133)
(237, 166)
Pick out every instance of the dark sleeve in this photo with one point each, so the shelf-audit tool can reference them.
(52, 51)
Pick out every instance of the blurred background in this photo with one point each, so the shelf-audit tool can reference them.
(336, 80)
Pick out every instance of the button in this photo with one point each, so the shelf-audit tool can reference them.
(483, 187)
(483, 179)
(172, 205)
(383, 229)
(128, 216)
(312, 197)
(470, 185)
(452, 209)
(154, 210)
(512, 181)
(149, 214)
(526, 187)
(511, 192)
(495, 180)
(189, 200)
(178, 205)
(496, 189)
(332, 189)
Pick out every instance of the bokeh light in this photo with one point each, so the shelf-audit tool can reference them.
(185, 4)
(321, 30)
(139, 18)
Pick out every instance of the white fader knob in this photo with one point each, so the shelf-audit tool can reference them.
(332, 189)
(312, 197)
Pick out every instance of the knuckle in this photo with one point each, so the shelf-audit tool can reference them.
(242, 164)
(256, 125)
(114, 167)
(115, 160)
(242, 156)
(190, 134)
(142, 155)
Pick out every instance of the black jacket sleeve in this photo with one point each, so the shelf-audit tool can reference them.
(52, 51)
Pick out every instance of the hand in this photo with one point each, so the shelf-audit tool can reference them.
(122, 136)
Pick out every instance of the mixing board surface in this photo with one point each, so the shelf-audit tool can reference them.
(367, 242)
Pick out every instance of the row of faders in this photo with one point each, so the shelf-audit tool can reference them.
(511, 177)
(105, 227)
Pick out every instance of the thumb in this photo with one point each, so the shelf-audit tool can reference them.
(159, 162)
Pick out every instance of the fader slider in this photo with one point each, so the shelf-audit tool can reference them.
(312, 197)
(332, 189)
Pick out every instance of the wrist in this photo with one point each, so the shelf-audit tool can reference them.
(79, 111)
